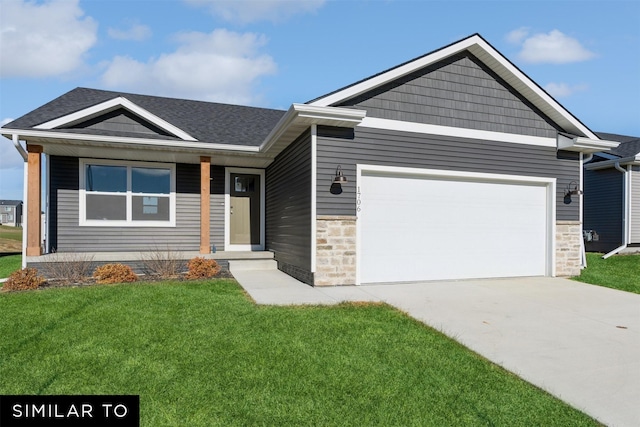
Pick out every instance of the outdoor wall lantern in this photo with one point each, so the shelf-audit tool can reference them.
(338, 180)
(571, 190)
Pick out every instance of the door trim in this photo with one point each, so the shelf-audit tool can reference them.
(548, 182)
(227, 210)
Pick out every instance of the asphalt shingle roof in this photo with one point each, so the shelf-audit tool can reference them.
(630, 145)
(205, 121)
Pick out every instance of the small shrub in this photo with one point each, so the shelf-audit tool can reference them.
(201, 268)
(69, 267)
(114, 273)
(165, 264)
(23, 280)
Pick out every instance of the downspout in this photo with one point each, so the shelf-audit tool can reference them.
(583, 250)
(16, 142)
(625, 218)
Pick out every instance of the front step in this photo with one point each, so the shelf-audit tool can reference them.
(252, 264)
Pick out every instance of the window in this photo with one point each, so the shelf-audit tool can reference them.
(7, 208)
(116, 193)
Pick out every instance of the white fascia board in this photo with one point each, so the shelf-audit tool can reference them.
(585, 145)
(424, 128)
(110, 105)
(311, 114)
(488, 55)
(605, 164)
(141, 142)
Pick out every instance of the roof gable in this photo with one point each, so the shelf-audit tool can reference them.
(106, 107)
(459, 91)
(487, 55)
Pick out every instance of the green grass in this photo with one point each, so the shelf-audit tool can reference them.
(11, 233)
(202, 354)
(9, 264)
(618, 272)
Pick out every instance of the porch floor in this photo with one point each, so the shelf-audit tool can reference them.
(138, 256)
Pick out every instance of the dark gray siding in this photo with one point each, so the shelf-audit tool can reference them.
(458, 92)
(603, 210)
(288, 209)
(67, 236)
(635, 205)
(405, 149)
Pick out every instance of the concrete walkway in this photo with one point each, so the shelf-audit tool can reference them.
(579, 342)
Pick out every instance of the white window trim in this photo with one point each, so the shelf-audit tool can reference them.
(83, 222)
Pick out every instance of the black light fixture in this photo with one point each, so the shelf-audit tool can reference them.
(340, 178)
(571, 190)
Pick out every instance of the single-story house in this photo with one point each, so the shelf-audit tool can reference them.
(453, 165)
(612, 197)
(11, 213)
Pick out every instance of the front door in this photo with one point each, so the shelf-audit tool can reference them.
(244, 211)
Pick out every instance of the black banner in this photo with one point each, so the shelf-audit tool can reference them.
(69, 411)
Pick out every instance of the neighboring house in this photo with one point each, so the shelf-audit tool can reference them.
(453, 165)
(11, 213)
(612, 197)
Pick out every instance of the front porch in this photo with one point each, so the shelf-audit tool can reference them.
(137, 260)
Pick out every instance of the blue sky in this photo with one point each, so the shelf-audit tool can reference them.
(272, 53)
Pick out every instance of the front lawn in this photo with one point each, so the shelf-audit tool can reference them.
(618, 272)
(202, 354)
(9, 264)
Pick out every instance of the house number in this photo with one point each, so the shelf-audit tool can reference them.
(358, 209)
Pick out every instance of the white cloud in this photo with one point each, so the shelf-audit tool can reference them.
(516, 36)
(47, 39)
(554, 47)
(563, 90)
(9, 156)
(220, 66)
(248, 11)
(137, 32)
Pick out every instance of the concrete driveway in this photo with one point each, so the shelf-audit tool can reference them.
(579, 342)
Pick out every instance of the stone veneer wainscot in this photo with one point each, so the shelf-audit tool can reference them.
(335, 250)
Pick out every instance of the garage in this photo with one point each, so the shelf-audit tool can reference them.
(419, 225)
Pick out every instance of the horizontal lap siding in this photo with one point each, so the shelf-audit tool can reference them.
(288, 206)
(68, 236)
(457, 92)
(635, 205)
(603, 208)
(406, 149)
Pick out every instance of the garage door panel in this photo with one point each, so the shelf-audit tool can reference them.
(434, 229)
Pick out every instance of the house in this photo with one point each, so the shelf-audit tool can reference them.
(612, 198)
(452, 165)
(11, 213)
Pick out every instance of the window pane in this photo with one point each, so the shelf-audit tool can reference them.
(150, 208)
(103, 207)
(150, 180)
(106, 178)
(245, 184)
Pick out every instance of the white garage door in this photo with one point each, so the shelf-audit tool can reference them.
(440, 226)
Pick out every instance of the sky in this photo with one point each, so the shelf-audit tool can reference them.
(272, 53)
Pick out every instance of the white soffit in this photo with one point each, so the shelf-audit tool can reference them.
(492, 59)
(585, 145)
(110, 105)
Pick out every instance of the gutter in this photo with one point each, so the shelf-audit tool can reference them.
(625, 219)
(21, 150)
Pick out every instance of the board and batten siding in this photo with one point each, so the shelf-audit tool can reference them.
(67, 236)
(406, 149)
(288, 209)
(457, 92)
(635, 205)
(603, 210)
